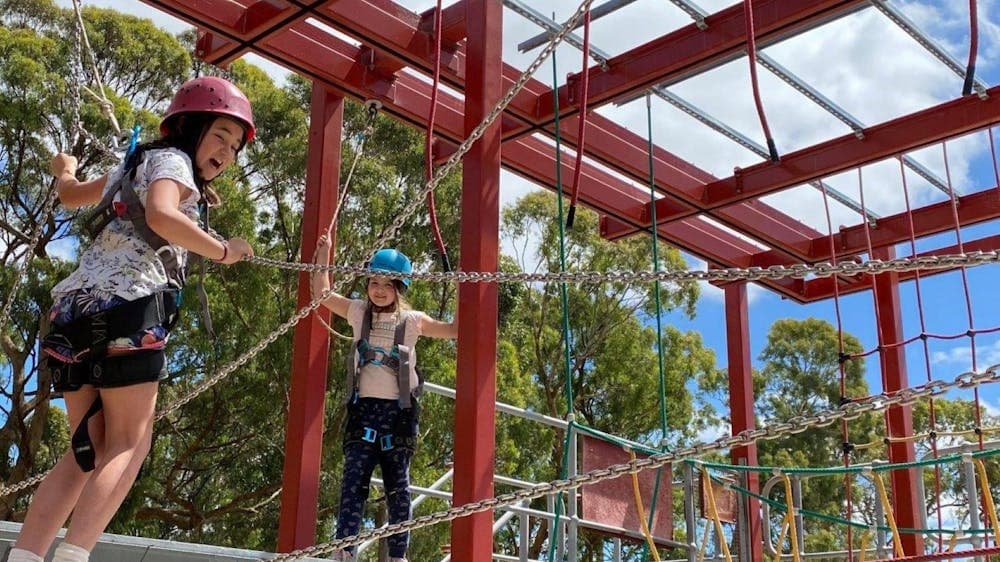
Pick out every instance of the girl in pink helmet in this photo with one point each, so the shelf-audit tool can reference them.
(111, 317)
(381, 391)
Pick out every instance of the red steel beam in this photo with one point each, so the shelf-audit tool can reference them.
(475, 385)
(690, 50)
(398, 31)
(311, 347)
(910, 132)
(933, 219)
(612, 144)
(407, 98)
(741, 401)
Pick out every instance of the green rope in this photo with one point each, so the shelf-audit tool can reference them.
(853, 469)
(564, 297)
(580, 428)
(781, 507)
(659, 311)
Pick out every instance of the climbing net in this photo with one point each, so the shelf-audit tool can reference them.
(850, 410)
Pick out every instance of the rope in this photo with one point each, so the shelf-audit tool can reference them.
(372, 108)
(755, 86)
(637, 495)
(841, 370)
(714, 514)
(970, 69)
(563, 299)
(853, 410)
(582, 132)
(991, 508)
(429, 143)
(455, 159)
(897, 544)
(793, 534)
(654, 235)
(932, 411)
(107, 108)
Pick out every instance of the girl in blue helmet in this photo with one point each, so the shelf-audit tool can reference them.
(382, 389)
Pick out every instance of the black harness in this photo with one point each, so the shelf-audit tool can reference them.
(92, 333)
(398, 359)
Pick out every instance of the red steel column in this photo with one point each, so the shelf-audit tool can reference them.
(475, 386)
(310, 352)
(905, 503)
(741, 402)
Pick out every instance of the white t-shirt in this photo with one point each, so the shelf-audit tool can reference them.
(119, 262)
(379, 381)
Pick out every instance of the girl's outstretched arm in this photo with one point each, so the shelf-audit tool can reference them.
(74, 193)
(337, 303)
(437, 329)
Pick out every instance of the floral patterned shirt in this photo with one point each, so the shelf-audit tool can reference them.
(119, 262)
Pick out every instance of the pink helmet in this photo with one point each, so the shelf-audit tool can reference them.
(211, 94)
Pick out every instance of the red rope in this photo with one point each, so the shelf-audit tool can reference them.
(582, 135)
(752, 55)
(844, 430)
(429, 141)
(965, 283)
(993, 153)
(932, 414)
(970, 69)
(875, 300)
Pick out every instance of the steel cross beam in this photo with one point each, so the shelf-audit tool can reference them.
(904, 134)
(761, 218)
(691, 50)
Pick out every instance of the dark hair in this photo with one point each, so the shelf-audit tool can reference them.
(184, 132)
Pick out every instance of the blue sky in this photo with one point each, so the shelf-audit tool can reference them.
(863, 63)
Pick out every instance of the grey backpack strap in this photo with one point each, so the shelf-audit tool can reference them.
(403, 372)
(352, 357)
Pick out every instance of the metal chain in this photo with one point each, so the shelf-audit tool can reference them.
(36, 235)
(770, 273)
(476, 133)
(73, 135)
(794, 425)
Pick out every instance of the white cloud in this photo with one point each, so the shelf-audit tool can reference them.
(986, 355)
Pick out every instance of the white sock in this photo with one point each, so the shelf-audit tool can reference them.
(21, 555)
(66, 552)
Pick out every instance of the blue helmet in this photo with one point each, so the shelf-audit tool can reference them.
(392, 261)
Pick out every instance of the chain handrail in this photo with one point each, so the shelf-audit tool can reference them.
(722, 275)
(794, 425)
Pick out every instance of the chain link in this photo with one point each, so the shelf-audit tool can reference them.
(847, 412)
(771, 273)
(477, 133)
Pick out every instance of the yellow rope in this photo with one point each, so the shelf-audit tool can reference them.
(991, 509)
(865, 537)
(953, 542)
(642, 511)
(707, 479)
(781, 537)
(704, 544)
(792, 531)
(897, 545)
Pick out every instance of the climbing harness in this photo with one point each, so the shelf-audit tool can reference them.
(362, 353)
